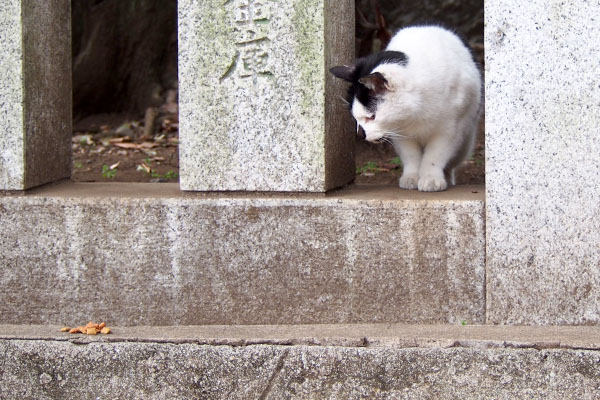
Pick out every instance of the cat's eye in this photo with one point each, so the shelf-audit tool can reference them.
(371, 118)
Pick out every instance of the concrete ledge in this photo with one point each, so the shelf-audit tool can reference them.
(389, 362)
(152, 255)
(337, 335)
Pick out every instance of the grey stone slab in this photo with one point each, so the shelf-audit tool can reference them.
(542, 167)
(35, 92)
(361, 255)
(258, 109)
(50, 369)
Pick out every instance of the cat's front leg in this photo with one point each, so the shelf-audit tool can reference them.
(435, 158)
(410, 153)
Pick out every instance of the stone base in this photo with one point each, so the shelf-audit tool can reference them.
(151, 255)
(303, 362)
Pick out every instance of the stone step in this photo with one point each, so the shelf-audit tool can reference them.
(302, 362)
(149, 254)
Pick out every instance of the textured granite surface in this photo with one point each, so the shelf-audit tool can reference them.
(144, 369)
(170, 258)
(543, 163)
(258, 110)
(12, 146)
(35, 92)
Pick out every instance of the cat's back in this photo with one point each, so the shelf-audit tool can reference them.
(432, 46)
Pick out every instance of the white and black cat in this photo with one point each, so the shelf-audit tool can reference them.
(423, 94)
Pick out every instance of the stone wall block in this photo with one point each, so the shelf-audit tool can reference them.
(35, 92)
(259, 110)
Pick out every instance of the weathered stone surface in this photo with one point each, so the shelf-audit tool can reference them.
(258, 108)
(144, 368)
(542, 168)
(35, 92)
(149, 254)
(12, 166)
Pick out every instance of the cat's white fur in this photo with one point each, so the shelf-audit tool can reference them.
(431, 108)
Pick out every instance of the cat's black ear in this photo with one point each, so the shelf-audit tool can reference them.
(344, 72)
(375, 82)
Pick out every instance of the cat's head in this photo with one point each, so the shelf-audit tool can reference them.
(373, 97)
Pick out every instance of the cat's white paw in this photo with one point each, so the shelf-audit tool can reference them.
(432, 184)
(409, 181)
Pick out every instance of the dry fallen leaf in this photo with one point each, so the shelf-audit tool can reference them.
(119, 139)
(144, 167)
(127, 145)
(147, 145)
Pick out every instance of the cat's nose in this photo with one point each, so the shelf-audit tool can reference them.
(361, 133)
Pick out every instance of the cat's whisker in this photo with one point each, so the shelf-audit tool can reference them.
(395, 135)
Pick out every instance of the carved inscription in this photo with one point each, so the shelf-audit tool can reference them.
(251, 19)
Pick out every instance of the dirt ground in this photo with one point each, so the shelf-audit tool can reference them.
(111, 147)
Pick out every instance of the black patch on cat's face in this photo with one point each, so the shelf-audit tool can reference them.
(362, 67)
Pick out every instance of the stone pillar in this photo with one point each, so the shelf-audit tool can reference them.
(259, 110)
(35, 92)
(543, 161)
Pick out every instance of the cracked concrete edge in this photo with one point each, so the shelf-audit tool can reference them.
(51, 370)
(354, 336)
(276, 372)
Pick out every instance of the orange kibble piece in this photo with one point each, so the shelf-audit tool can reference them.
(91, 328)
(91, 331)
